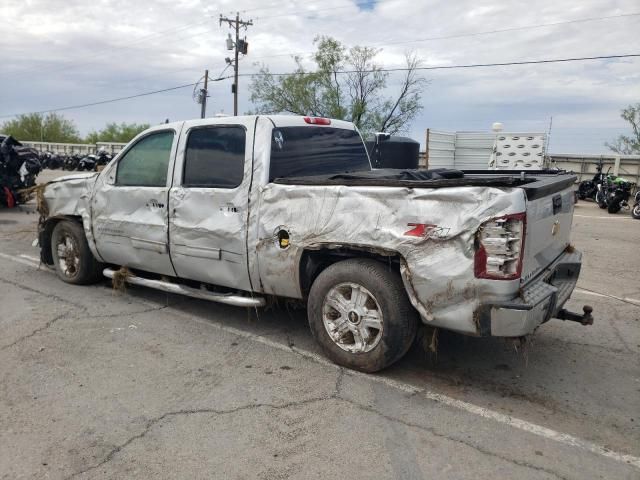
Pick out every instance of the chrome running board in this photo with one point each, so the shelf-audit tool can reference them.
(226, 298)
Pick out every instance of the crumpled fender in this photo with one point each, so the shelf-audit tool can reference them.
(69, 196)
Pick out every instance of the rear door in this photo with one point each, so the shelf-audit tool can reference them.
(209, 202)
(129, 205)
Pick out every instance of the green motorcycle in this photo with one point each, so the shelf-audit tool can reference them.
(613, 193)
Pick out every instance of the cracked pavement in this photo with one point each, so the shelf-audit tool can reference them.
(97, 384)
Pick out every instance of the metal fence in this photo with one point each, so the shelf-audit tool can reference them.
(474, 150)
(71, 148)
(625, 166)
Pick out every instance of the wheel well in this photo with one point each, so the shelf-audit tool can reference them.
(44, 236)
(314, 261)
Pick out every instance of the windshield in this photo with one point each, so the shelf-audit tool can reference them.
(306, 151)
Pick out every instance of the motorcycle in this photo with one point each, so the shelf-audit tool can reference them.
(588, 189)
(50, 160)
(613, 193)
(102, 158)
(87, 163)
(71, 162)
(19, 167)
(635, 210)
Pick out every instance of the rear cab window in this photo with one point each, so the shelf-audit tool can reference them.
(215, 157)
(310, 150)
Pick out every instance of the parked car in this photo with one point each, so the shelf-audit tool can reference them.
(237, 210)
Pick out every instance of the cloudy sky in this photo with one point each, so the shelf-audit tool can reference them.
(61, 53)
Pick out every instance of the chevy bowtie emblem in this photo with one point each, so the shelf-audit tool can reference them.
(555, 228)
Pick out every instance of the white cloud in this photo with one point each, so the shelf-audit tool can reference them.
(57, 53)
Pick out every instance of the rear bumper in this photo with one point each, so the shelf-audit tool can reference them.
(539, 300)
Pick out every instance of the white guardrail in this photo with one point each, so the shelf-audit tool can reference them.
(71, 148)
(625, 166)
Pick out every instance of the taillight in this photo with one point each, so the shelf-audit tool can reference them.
(317, 120)
(500, 247)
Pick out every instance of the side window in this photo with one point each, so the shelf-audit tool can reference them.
(147, 162)
(214, 157)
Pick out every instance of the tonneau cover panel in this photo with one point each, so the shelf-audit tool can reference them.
(536, 184)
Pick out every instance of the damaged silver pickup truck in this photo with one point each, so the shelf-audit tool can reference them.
(241, 210)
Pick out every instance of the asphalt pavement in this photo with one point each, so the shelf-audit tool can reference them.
(97, 384)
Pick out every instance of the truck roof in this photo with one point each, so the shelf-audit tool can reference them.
(297, 120)
(278, 121)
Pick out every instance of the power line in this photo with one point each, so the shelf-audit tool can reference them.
(513, 29)
(73, 107)
(394, 69)
(156, 35)
(472, 34)
(445, 37)
(471, 65)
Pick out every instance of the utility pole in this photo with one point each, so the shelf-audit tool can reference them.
(240, 46)
(203, 95)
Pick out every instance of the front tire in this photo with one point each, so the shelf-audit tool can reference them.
(72, 257)
(360, 314)
(635, 211)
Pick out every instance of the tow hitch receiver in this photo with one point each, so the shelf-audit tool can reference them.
(585, 319)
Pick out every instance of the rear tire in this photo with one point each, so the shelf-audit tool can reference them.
(363, 303)
(72, 258)
(635, 211)
(614, 206)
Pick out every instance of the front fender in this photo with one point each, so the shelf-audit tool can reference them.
(67, 198)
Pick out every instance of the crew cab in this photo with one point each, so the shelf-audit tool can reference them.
(240, 210)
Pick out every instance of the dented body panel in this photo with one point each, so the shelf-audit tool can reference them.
(233, 237)
(437, 268)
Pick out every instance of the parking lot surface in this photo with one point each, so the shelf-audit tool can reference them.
(96, 383)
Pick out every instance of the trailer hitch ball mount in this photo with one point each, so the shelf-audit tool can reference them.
(585, 319)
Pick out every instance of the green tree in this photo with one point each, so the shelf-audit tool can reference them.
(37, 127)
(624, 144)
(114, 132)
(347, 84)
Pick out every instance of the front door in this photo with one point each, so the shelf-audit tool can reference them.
(209, 202)
(129, 206)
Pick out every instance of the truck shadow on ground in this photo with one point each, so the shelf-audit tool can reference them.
(500, 367)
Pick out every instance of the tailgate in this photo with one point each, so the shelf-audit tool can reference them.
(548, 230)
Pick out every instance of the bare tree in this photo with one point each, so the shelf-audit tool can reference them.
(347, 84)
(408, 104)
